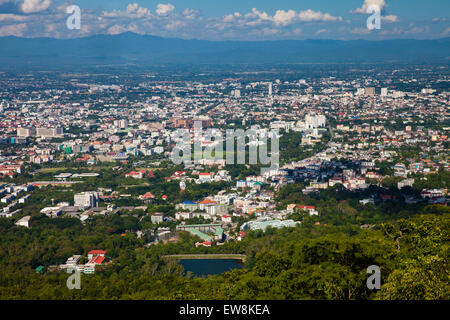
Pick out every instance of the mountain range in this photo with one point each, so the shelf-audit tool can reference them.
(135, 49)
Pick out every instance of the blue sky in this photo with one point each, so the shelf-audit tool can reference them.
(230, 19)
(411, 9)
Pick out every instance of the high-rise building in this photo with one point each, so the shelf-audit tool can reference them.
(237, 93)
(270, 89)
(384, 92)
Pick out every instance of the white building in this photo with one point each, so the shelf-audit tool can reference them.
(24, 222)
(315, 121)
(26, 132)
(49, 132)
(86, 199)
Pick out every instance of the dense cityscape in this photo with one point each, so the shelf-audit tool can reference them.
(224, 159)
(88, 183)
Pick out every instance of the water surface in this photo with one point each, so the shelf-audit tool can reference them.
(205, 267)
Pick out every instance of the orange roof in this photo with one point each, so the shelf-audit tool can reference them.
(132, 173)
(207, 201)
(148, 195)
(99, 260)
(306, 207)
(97, 252)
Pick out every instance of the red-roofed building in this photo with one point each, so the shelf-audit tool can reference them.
(226, 218)
(99, 260)
(96, 257)
(242, 234)
(96, 253)
(135, 174)
(206, 203)
(147, 196)
(179, 173)
(311, 209)
(84, 158)
(204, 177)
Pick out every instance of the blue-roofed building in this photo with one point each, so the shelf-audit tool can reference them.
(188, 205)
(241, 184)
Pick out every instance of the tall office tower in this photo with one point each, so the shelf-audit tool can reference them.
(270, 89)
(384, 92)
(237, 93)
(370, 91)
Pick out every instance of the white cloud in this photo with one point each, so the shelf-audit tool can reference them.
(310, 15)
(191, 14)
(175, 24)
(231, 17)
(367, 3)
(360, 31)
(389, 18)
(12, 17)
(283, 18)
(415, 30)
(13, 30)
(256, 17)
(270, 31)
(116, 29)
(134, 10)
(280, 18)
(31, 6)
(164, 9)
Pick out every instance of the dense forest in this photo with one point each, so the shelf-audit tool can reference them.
(306, 262)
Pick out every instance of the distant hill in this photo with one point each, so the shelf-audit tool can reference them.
(137, 49)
